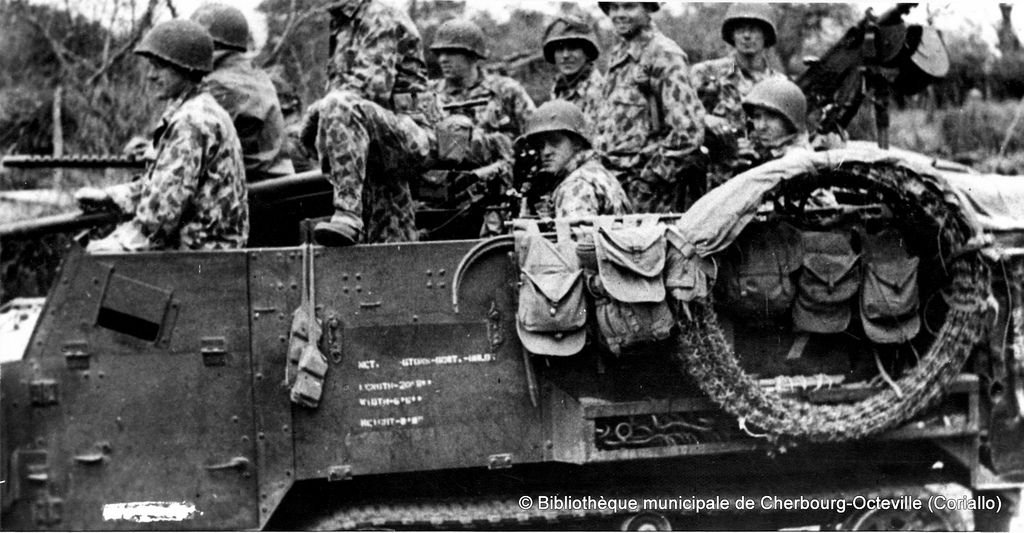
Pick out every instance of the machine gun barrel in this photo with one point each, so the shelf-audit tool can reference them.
(263, 196)
(73, 161)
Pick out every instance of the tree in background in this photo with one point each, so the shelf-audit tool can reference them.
(76, 67)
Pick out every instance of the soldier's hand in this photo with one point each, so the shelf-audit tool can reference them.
(310, 127)
(92, 200)
(719, 126)
(139, 148)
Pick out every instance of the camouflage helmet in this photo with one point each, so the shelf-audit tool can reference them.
(782, 96)
(182, 43)
(226, 24)
(570, 29)
(651, 6)
(561, 116)
(460, 35)
(745, 12)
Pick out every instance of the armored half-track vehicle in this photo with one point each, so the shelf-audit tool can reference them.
(852, 382)
(832, 340)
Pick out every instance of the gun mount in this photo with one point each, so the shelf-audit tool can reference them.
(878, 57)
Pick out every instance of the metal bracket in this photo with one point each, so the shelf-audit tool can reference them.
(76, 355)
(214, 350)
(495, 333)
(332, 334)
(499, 461)
(339, 473)
(101, 451)
(235, 463)
(43, 392)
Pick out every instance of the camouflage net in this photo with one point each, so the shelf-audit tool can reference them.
(915, 199)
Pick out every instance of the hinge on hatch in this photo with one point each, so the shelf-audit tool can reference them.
(214, 350)
(339, 473)
(498, 461)
(43, 392)
(47, 510)
(76, 355)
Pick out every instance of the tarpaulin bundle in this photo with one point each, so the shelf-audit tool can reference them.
(916, 194)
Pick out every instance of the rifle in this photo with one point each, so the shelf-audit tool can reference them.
(878, 57)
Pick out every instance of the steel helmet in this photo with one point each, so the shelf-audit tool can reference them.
(745, 12)
(651, 6)
(226, 24)
(460, 35)
(561, 116)
(570, 29)
(781, 96)
(182, 43)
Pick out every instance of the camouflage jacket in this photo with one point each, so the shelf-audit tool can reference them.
(375, 51)
(654, 64)
(584, 90)
(731, 83)
(193, 196)
(587, 190)
(508, 104)
(249, 96)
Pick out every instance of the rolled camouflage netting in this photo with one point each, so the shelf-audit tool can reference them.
(915, 199)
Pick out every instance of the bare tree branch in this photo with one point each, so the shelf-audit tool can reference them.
(293, 22)
(65, 57)
(144, 23)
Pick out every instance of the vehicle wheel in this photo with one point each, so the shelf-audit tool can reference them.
(985, 520)
(646, 522)
(904, 520)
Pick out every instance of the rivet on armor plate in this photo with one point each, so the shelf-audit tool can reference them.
(430, 273)
(552, 311)
(359, 276)
(441, 284)
(344, 277)
(415, 318)
(430, 284)
(440, 272)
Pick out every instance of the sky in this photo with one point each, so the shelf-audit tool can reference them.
(951, 15)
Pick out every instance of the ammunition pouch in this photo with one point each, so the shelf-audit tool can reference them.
(309, 382)
(687, 275)
(629, 290)
(827, 283)
(757, 272)
(552, 314)
(625, 324)
(889, 301)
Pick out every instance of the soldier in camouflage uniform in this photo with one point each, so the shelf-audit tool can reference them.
(570, 45)
(650, 124)
(502, 105)
(584, 186)
(193, 195)
(722, 83)
(245, 92)
(367, 149)
(496, 105)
